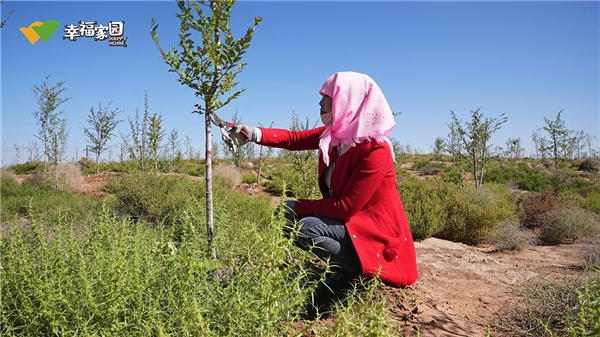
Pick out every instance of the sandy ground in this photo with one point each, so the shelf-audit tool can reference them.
(461, 289)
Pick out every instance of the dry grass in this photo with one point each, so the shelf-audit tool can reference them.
(568, 224)
(64, 177)
(591, 254)
(227, 175)
(69, 176)
(8, 174)
(509, 236)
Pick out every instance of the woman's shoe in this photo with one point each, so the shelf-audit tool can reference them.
(331, 284)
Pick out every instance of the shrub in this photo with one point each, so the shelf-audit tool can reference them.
(153, 198)
(509, 236)
(8, 174)
(28, 167)
(88, 166)
(544, 306)
(64, 177)
(586, 321)
(424, 203)
(591, 202)
(122, 278)
(430, 170)
(569, 223)
(472, 213)
(589, 165)
(227, 175)
(36, 178)
(591, 254)
(68, 177)
(17, 199)
(299, 184)
(520, 175)
(455, 176)
(536, 204)
(248, 178)
(193, 168)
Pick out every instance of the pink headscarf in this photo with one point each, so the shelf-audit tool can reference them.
(360, 112)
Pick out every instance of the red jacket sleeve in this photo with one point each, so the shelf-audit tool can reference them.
(364, 181)
(291, 140)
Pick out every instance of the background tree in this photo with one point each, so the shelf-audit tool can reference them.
(102, 124)
(155, 136)
(3, 22)
(33, 151)
(208, 68)
(475, 136)
(304, 162)
(514, 149)
(240, 153)
(17, 148)
(189, 149)
(454, 143)
(53, 131)
(557, 132)
(58, 139)
(260, 157)
(137, 141)
(174, 149)
(438, 147)
(588, 141)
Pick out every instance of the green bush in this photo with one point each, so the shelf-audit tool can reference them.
(124, 279)
(249, 178)
(589, 165)
(520, 175)
(28, 167)
(454, 176)
(586, 320)
(473, 213)
(299, 184)
(591, 202)
(114, 277)
(17, 199)
(425, 204)
(153, 198)
(568, 224)
(193, 168)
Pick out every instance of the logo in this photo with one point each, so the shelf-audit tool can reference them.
(114, 32)
(38, 29)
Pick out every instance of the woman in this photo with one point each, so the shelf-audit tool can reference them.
(360, 224)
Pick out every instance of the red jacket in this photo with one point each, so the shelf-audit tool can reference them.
(364, 194)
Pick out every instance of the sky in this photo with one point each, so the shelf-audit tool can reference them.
(527, 60)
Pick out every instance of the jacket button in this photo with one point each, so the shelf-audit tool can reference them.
(396, 257)
(405, 239)
(354, 236)
(377, 255)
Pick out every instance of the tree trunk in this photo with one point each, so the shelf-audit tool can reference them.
(210, 228)
(259, 165)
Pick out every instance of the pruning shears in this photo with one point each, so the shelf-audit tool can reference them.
(225, 127)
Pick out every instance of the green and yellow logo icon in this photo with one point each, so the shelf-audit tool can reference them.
(38, 29)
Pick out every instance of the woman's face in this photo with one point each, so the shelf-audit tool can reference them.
(326, 104)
